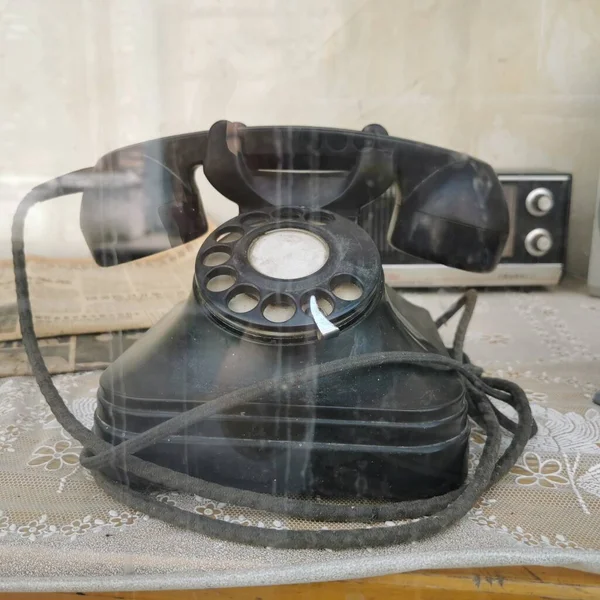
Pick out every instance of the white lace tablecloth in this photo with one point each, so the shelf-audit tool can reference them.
(58, 531)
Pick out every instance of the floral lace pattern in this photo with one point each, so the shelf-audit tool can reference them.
(548, 499)
(54, 457)
(533, 471)
(77, 527)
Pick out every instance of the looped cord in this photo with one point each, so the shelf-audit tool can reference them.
(422, 517)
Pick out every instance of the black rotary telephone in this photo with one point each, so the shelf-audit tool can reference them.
(292, 371)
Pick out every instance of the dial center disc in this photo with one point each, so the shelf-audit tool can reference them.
(288, 253)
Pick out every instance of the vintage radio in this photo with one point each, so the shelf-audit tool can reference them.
(534, 254)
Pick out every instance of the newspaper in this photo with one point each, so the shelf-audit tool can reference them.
(75, 296)
(68, 353)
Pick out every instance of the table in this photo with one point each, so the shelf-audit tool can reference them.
(522, 336)
(509, 583)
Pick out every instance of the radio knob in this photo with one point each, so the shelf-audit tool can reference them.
(539, 202)
(538, 242)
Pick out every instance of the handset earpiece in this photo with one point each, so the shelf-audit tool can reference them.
(142, 199)
(457, 216)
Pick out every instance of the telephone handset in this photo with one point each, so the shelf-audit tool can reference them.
(452, 209)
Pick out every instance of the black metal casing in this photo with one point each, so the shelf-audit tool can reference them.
(393, 433)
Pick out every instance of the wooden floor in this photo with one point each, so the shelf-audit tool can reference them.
(514, 583)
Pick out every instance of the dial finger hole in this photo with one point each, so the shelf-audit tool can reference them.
(278, 308)
(227, 235)
(325, 303)
(254, 219)
(243, 299)
(287, 213)
(216, 256)
(346, 287)
(319, 217)
(220, 279)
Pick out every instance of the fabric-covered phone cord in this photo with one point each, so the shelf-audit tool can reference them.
(423, 517)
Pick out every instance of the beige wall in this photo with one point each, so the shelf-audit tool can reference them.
(515, 82)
